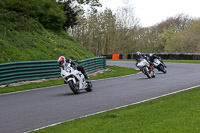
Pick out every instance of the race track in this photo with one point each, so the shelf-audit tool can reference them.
(25, 111)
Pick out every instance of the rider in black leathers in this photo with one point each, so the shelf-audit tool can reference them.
(153, 56)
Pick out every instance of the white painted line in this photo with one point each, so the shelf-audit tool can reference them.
(29, 90)
(117, 107)
(36, 89)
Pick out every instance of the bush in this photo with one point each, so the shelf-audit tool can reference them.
(48, 12)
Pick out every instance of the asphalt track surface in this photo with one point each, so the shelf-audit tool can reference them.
(29, 110)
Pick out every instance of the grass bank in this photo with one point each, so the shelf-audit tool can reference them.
(24, 39)
(114, 71)
(177, 113)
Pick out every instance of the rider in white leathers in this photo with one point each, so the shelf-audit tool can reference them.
(63, 62)
(140, 57)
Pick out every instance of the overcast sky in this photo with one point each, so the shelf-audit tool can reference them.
(151, 12)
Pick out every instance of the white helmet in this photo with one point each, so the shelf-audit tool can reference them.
(151, 54)
(138, 53)
(61, 60)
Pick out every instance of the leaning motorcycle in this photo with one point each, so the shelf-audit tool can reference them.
(143, 65)
(75, 79)
(160, 66)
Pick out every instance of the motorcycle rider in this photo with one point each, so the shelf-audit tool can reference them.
(63, 62)
(140, 57)
(153, 56)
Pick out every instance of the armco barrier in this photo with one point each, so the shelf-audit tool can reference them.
(110, 56)
(93, 64)
(172, 56)
(31, 70)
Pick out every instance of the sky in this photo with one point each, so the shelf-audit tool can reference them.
(151, 12)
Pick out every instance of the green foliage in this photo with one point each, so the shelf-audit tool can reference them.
(24, 39)
(106, 33)
(13, 21)
(92, 2)
(71, 14)
(73, 11)
(114, 71)
(48, 12)
(185, 41)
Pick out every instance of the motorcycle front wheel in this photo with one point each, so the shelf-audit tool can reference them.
(73, 87)
(162, 68)
(146, 72)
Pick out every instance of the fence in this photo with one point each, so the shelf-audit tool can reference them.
(31, 70)
(110, 56)
(173, 56)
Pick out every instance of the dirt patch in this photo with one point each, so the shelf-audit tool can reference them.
(26, 82)
(41, 80)
(100, 71)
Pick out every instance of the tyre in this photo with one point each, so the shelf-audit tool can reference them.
(73, 87)
(89, 88)
(162, 69)
(146, 72)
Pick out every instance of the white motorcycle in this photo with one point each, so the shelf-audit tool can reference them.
(159, 65)
(143, 65)
(75, 79)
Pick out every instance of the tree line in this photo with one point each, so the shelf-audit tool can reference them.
(106, 33)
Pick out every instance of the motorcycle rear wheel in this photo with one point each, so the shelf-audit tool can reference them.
(89, 88)
(73, 87)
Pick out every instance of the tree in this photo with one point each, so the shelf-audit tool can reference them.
(127, 28)
(177, 23)
(73, 8)
(185, 41)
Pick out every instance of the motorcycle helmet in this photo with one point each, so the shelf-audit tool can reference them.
(138, 53)
(150, 54)
(61, 60)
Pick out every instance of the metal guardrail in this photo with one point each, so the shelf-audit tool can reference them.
(31, 70)
(172, 56)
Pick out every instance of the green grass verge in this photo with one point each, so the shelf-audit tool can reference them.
(171, 61)
(115, 71)
(177, 113)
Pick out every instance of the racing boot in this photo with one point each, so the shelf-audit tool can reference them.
(153, 73)
(86, 78)
(65, 82)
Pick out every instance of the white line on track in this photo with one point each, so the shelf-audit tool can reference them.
(117, 107)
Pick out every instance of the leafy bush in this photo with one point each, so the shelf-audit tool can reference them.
(48, 12)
